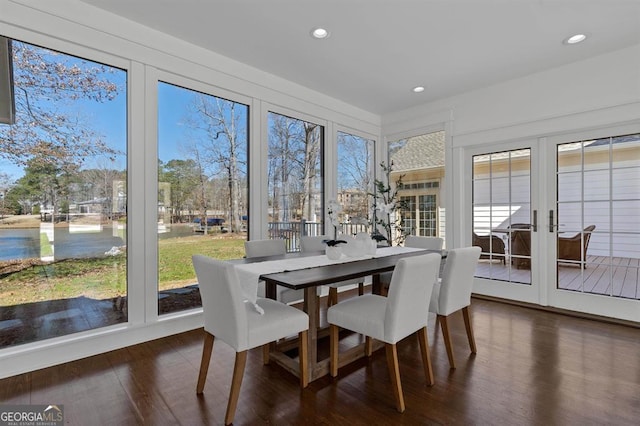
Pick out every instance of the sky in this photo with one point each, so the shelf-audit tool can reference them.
(109, 120)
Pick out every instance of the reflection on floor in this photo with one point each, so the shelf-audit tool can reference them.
(618, 276)
(32, 322)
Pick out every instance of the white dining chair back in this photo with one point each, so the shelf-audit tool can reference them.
(391, 319)
(262, 248)
(223, 303)
(411, 285)
(310, 243)
(453, 293)
(429, 243)
(316, 243)
(413, 241)
(229, 318)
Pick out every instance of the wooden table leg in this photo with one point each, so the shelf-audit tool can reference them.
(270, 291)
(311, 302)
(376, 285)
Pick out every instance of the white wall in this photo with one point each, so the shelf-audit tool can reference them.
(595, 93)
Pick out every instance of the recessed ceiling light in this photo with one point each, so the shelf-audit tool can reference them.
(575, 39)
(418, 89)
(319, 33)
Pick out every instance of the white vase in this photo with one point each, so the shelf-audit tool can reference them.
(333, 252)
(371, 247)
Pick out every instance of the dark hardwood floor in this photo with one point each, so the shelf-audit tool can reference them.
(532, 367)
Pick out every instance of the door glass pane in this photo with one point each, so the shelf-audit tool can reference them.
(419, 161)
(63, 198)
(570, 186)
(295, 180)
(427, 210)
(355, 182)
(409, 215)
(202, 188)
(598, 240)
(502, 215)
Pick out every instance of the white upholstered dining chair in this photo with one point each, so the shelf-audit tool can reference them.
(453, 293)
(429, 243)
(391, 319)
(413, 241)
(316, 243)
(229, 318)
(260, 248)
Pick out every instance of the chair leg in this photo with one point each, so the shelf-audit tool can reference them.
(333, 343)
(426, 355)
(204, 364)
(333, 297)
(360, 289)
(447, 339)
(265, 353)
(467, 324)
(368, 346)
(236, 382)
(394, 374)
(303, 354)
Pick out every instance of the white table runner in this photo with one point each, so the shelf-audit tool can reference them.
(249, 273)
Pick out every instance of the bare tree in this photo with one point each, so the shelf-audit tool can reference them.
(44, 81)
(280, 167)
(312, 145)
(355, 173)
(224, 150)
(294, 167)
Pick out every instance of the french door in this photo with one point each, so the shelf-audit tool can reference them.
(557, 221)
(593, 197)
(504, 218)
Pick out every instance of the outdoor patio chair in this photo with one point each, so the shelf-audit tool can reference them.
(574, 249)
(228, 318)
(492, 247)
(391, 319)
(520, 245)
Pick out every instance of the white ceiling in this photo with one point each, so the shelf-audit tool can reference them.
(379, 49)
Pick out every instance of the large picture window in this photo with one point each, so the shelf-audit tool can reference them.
(355, 165)
(202, 188)
(63, 197)
(295, 179)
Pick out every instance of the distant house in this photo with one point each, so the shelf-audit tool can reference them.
(420, 162)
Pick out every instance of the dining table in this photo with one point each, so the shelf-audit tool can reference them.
(318, 272)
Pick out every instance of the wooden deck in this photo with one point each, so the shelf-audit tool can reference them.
(618, 276)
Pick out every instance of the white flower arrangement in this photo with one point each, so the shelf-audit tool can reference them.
(334, 208)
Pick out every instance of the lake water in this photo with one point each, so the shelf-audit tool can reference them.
(25, 243)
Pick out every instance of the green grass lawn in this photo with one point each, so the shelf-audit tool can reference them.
(105, 278)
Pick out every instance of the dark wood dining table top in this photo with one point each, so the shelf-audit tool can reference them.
(327, 274)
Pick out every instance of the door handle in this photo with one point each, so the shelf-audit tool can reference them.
(534, 226)
(551, 225)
